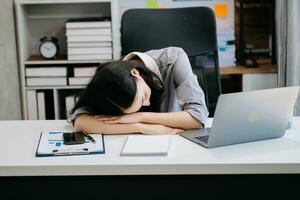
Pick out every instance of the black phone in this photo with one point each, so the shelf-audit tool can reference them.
(73, 138)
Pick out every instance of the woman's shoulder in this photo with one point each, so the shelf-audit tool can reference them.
(166, 55)
(165, 58)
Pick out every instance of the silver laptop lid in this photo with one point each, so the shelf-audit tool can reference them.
(250, 116)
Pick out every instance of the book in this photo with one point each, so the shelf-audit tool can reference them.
(31, 100)
(84, 71)
(70, 103)
(88, 31)
(49, 101)
(89, 44)
(46, 81)
(88, 23)
(41, 105)
(103, 57)
(91, 50)
(79, 80)
(146, 145)
(89, 38)
(45, 71)
(51, 143)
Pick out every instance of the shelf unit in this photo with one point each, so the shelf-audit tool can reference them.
(255, 31)
(38, 18)
(241, 78)
(253, 27)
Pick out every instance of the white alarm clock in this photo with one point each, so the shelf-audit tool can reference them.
(49, 47)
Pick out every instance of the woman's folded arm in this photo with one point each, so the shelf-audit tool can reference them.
(90, 124)
(179, 119)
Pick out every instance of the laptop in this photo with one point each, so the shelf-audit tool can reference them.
(247, 117)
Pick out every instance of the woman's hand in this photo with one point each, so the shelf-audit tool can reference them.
(157, 129)
(122, 119)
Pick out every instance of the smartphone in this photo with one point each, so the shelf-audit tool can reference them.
(73, 138)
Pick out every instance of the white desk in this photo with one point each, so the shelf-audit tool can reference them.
(19, 139)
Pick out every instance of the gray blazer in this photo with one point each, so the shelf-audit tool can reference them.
(182, 91)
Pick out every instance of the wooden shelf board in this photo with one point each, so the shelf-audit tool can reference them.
(253, 5)
(55, 87)
(60, 1)
(39, 60)
(245, 70)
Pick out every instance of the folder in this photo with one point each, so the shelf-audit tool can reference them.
(51, 143)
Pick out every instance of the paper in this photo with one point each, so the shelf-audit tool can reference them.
(220, 10)
(226, 48)
(51, 141)
(146, 145)
(151, 4)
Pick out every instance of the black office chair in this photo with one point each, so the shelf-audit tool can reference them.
(193, 29)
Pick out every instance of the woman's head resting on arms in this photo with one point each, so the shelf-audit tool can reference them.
(122, 87)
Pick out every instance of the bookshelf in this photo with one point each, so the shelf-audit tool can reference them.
(255, 31)
(38, 18)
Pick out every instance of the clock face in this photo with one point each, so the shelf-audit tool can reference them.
(48, 49)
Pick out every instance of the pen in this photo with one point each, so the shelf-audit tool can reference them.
(89, 137)
(63, 152)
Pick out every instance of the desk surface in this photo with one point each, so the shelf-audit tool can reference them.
(19, 139)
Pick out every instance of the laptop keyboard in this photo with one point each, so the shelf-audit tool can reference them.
(203, 138)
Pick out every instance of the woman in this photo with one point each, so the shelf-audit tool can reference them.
(154, 92)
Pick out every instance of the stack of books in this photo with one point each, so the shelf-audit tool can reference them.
(46, 76)
(82, 75)
(40, 105)
(89, 39)
(226, 48)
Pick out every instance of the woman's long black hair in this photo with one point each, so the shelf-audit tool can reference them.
(113, 88)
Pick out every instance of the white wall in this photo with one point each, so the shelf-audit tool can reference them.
(10, 108)
(225, 23)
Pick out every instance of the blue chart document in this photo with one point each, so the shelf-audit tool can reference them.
(51, 143)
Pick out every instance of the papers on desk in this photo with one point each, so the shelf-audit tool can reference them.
(146, 145)
(226, 48)
(51, 143)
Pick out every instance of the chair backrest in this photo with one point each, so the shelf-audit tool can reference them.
(193, 29)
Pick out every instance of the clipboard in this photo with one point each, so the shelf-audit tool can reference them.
(51, 143)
